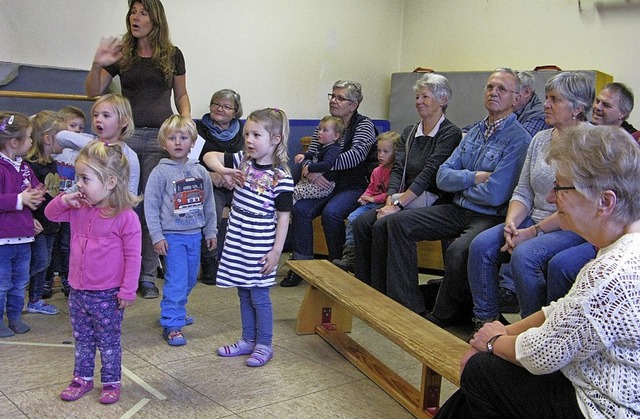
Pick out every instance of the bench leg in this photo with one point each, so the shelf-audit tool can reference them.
(318, 309)
(430, 390)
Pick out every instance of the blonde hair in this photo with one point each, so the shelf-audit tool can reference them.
(391, 137)
(177, 123)
(43, 123)
(70, 112)
(12, 125)
(275, 122)
(122, 107)
(109, 161)
(163, 50)
(597, 159)
(333, 121)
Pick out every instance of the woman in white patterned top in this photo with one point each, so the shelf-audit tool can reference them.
(579, 356)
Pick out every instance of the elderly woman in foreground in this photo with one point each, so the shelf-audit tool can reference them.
(579, 356)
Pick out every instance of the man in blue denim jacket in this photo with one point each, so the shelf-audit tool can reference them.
(481, 174)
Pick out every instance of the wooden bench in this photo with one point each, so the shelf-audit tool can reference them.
(334, 296)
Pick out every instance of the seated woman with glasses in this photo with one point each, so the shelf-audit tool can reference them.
(356, 159)
(577, 357)
(531, 234)
(221, 130)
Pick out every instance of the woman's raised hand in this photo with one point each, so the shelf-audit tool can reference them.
(109, 51)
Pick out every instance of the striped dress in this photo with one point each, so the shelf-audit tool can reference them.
(251, 230)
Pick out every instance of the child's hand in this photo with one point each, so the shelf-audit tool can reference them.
(32, 197)
(212, 244)
(122, 303)
(161, 247)
(364, 200)
(298, 158)
(37, 226)
(75, 200)
(270, 261)
(233, 177)
(109, 51)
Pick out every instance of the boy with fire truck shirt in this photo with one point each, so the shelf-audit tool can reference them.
(179, 208)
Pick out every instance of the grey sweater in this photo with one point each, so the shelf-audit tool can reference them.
(179, 199)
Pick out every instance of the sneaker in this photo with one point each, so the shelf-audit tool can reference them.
(174, 337)
(76, 389)
(148, 290)
(291, 280)
(508, 301)
(66, 289)
(241, 347)
(348, 259)
(110, 393)
(261, 355)
(42, 307)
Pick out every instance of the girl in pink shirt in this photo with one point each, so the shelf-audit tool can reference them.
(104, 263)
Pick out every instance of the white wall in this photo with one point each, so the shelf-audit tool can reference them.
(287, 53)
(484, 34)
(279, 53)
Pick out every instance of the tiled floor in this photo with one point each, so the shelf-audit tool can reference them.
(305, 379)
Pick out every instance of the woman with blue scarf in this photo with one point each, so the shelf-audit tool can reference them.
(221, 130)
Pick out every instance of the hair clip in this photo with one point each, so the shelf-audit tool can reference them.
(6, 122)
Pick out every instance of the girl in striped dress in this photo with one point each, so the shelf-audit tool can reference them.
(258, 223)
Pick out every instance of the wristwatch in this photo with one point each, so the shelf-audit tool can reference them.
(490, 343)
(398, 204)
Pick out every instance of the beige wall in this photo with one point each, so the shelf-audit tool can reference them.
(287, 53)
(522, 34)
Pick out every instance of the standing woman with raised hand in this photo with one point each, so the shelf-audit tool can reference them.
(151, 68)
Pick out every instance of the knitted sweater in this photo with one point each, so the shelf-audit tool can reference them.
(592, 334)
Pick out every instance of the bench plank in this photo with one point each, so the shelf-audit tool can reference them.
(335, 295)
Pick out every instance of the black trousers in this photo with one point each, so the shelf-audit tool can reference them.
(491, 387)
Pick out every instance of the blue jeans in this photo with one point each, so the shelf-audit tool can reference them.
(14, 277)
(40, 258)
(528, 264)
(256, 313)
(334, 209)
(349, 236)
(564, 267)
(181, 273)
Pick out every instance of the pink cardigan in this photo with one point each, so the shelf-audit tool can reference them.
(105, 252)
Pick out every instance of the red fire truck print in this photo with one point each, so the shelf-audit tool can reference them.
(188, 195)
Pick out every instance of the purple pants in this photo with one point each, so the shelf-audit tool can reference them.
(97, 322)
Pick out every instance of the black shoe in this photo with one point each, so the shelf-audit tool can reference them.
(291, 280)
(148, 290)
(441, 323)
(508, 301)
(47, 292)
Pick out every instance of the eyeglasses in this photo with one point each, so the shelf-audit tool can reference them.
(557, 188)
(223, 107)
(338, 99)
(500, 88)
